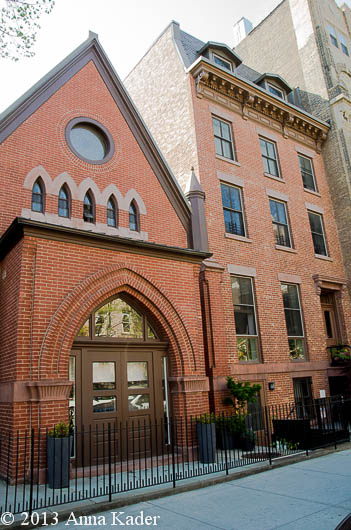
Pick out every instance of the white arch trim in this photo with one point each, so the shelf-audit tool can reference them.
(133, 195)
(52, 187)
(89, 184)
(35, 173)
(65, 178)
(112, 189)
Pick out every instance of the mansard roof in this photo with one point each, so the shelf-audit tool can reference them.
(191, 48)
(91, 50)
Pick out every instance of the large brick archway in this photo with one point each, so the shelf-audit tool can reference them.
(92, 291)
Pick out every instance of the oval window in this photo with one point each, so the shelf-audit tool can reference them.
(89, 140)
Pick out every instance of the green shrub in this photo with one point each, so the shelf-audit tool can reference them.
(60, 430)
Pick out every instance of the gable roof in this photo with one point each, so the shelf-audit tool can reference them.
(91, 50)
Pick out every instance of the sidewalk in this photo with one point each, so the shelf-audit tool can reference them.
(311, 495)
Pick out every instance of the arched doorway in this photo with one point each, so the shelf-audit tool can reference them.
(119, 367)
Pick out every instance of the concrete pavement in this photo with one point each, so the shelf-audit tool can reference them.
(314, 494)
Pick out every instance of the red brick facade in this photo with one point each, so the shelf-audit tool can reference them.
(205, 90)
(55, 271)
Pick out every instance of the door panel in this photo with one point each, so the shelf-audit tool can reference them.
(121, 391)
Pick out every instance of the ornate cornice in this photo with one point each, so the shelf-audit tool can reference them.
(254, 103)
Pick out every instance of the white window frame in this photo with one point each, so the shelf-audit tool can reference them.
(264, 139)
(226, 122)
(300, 155)
(278, 89)
(294, 337)
(323, 233)
(256, 322)
(279, 223)
(230, 64)
(233, 210)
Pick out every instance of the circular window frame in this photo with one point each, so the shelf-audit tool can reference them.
(110, 146)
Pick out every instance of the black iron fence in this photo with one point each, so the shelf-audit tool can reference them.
(39, 471)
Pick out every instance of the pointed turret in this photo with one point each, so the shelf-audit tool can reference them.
(196, 196)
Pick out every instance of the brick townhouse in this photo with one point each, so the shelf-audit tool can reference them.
(274, 289)
(99, 260)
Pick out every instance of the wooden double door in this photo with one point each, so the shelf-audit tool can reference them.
(120, 402)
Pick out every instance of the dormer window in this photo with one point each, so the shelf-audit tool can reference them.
(220, 54)
(274, 84)
(222, 62)
(275, 91)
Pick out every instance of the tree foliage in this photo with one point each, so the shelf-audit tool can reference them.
(19, 26)
(241, 393)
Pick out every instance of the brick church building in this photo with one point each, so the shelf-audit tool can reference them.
(99, 263)
(144, 282)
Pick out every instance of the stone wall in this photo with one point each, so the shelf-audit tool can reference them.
(159, 88)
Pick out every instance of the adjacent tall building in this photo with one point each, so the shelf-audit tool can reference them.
(273, 293)
(308, 42)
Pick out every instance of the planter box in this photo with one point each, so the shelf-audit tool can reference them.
(206, 436)
(58, 460)
(228, 440)
(247, 443)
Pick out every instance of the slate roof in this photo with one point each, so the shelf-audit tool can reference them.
(247, 73)
(189, 47)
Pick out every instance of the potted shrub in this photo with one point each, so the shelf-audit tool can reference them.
(248, 440)
(230, 430)
(59, 444)
(240, 395)
(206, 436)
(340, 355)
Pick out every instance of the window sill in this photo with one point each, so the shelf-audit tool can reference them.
(286, 249)
(299, 360)
(257, 361)
(326, 258)
(273, 177)
(315, 193)
(238, 238)
(229, 160)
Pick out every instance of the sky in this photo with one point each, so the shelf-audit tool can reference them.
(126, 29)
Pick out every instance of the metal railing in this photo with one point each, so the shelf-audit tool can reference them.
(39, 471)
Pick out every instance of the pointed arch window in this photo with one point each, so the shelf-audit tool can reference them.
(117, 319)
(133, 217)
(112, 213)
(89, 208)
(38, 196)
(64, 202)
